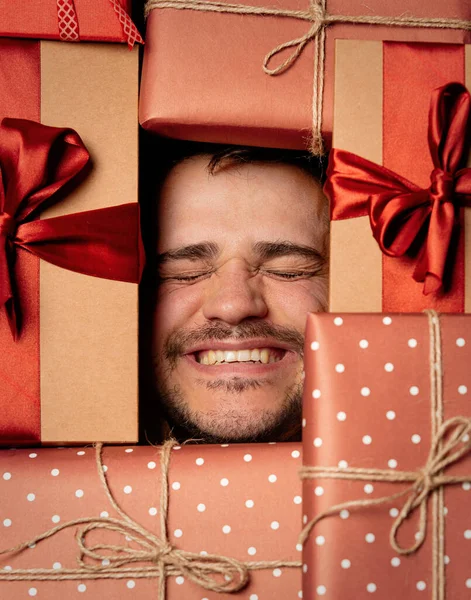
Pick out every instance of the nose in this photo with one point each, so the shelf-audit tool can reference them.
(234, 293)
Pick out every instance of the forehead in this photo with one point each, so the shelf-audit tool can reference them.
(238, 204)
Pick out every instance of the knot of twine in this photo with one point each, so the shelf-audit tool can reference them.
(319, 20)
(447, 448)
(152, 556)
(451, 441)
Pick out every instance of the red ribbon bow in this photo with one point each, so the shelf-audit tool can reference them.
(38, 165)
(403, 216)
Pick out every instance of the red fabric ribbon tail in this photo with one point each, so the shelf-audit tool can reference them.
(432, 282)
(7, 298)
(129, 29)
(13, 318)
(102, 243)
(422, 273)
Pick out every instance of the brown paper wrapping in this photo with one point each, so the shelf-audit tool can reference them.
(88, 325)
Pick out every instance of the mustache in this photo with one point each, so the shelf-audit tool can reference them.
(178, 341)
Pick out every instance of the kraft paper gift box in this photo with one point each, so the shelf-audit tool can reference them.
(371, 408)
(71, 376)
(384, 92)
(242, 502)
(203, 76)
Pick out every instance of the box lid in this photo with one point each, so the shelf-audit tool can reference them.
(69, 20)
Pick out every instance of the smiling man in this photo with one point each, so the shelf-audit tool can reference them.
(242, 258)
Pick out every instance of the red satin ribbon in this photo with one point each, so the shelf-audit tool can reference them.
(403, 216)
(38, 165)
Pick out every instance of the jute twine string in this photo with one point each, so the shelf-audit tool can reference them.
(449, 445)
(152, 556)
(319, 20)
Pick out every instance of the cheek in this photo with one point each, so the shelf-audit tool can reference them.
(294, 300)
(175, 307)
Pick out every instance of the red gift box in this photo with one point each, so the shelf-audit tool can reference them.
(69, 20)
(72, 374)
(374, 400)
(239, 501)
(398, 226)
(203, 77)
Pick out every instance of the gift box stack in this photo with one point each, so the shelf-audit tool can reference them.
(386, 428)
(169, 522)
(386, 438)
(386, 424)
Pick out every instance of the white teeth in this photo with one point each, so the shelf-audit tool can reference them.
(217, 357)
(243, 355)
(230, 356)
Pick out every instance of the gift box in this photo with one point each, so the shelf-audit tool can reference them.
(386, 443)
(398, 232)
(69, 20)
(203, 73)
(229, 508)
(71, 374)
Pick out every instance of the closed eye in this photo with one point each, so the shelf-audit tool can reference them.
(187, 278)
(291, 275)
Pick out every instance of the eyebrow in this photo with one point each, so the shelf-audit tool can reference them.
(269, 250)
(264, 250)
(203, 250)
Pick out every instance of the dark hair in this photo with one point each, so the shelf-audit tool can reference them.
(159, 156)
(222, 156)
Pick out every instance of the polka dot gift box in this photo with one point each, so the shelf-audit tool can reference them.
(387, 463)
(234, 513)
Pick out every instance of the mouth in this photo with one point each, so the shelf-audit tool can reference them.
(218, 357)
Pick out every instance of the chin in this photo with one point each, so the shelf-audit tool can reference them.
(239, 412)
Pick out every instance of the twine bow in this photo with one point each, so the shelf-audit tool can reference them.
(447, 448)
(152, 557)
(319, 19)
(451, 441)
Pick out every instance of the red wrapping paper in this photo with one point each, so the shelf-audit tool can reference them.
(69, 20)
(241, 501)
(203, 78)
(367, 404)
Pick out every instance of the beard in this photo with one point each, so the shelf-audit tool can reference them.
(235, 419)
(228, 424)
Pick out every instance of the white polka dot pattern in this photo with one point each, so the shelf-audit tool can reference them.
(223, 503)
(375, 412)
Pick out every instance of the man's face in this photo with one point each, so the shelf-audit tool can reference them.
(242, 260)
